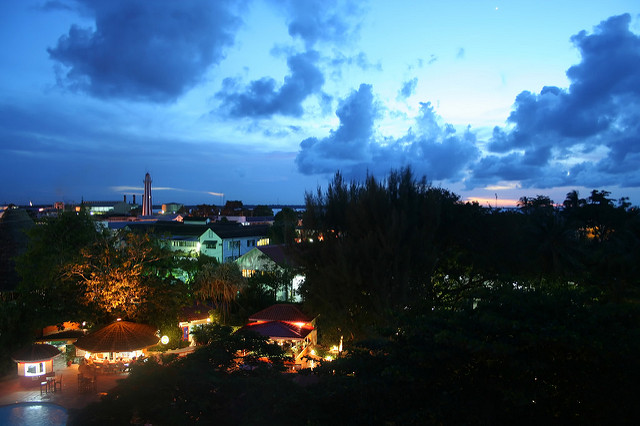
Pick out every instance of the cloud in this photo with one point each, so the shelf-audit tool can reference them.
(263, 98)
(408, 88)
(551, 132)
(55, 5)
(145, 50)
(316, 21)
(354, 148)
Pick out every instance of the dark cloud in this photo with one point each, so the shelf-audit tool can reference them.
(599, 115)
(408, 88)
(145, 50)
(263, 97)
(316, 21)
(431, 148)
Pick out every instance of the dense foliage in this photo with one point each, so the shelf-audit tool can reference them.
(45, 291)
(514, 356)
(382, 247)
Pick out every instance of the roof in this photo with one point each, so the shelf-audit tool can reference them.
(280, 312)
(223, 230)
(63, 335)
(119, 336)
(278, 254)
(279, 330)
(198, 311)
(35, 353)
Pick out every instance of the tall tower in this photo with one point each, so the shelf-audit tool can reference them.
(146, 201)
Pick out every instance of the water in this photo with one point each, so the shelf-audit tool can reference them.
(33, 414)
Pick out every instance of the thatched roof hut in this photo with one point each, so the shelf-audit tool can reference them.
(120, 336)
(35, 353)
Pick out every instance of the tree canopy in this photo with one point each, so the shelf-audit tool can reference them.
(381, 247)
(48, 293)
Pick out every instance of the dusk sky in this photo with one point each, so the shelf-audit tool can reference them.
(264, 100)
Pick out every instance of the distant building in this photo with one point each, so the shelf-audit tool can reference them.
(224, 241)
(171, 208)
(272, 258)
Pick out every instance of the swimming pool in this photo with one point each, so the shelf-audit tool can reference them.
(36, 414)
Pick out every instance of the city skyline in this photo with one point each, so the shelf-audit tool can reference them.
(262, 101)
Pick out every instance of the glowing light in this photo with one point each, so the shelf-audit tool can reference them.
(328, 358)
(164, 340)
(313, 352)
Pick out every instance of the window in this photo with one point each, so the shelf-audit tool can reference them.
(251, 243)
(210, 244)
(34, 369)
(248, 273)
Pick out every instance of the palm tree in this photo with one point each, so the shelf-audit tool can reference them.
(219, 284)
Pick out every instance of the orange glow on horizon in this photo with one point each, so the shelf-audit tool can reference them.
(501, 202)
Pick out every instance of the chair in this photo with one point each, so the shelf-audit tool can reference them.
(57, 384)
(43, 386)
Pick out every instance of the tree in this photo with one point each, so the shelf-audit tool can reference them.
(205, 210)
(128, 275)
(283, 230)
(276, 279)
(45, 289)
(262, 210)
(219, 284)
(375, 251)
(545, 356)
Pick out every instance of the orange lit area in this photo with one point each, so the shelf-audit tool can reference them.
(596, 232)
(492, 202)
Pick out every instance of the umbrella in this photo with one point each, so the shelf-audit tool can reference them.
(121, 336)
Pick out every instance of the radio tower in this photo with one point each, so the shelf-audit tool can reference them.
(146, 201)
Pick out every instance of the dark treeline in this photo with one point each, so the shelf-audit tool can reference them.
(399, 244)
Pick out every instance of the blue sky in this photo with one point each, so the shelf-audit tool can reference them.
(262, 101)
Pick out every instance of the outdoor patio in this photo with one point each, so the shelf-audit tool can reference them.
(70, 393)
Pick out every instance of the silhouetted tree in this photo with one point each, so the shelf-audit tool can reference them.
(283, 230)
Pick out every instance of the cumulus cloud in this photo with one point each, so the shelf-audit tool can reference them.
(316, 21)
(354, 148)
(145, 50)
(408, 88)
(264, 98)
(550, 131)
